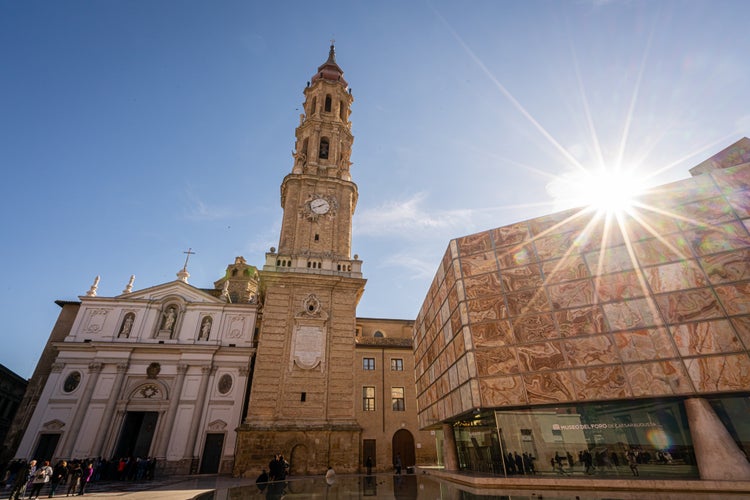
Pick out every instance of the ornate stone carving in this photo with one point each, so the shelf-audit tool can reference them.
(56, 367)
(217, 425)
(53, 425)
(236, 327)
(95, 367)
(153, 370)
(149, 391)
(95, 320)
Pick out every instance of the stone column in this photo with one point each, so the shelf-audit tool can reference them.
(719, 458)
(80, 414)
(450, 452)
(174, 401)
(105, 427)
(208, 372)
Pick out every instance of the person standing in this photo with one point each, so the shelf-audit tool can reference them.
(59, 475)
(88, 471)
(397, 464)
(24, 475)
(41, 477)
(368, 464)
(75, 478)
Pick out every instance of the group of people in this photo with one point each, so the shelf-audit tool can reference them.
(519, 464)
(28, 479)
(31, 478)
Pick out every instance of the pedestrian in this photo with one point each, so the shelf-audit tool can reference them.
(41, 477)
(75, 478)
(59, 475)
(397, 464)
(24, 475)
(86, 474)
(632, 462)
(368, 464)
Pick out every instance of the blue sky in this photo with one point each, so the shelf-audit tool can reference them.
(131, 131)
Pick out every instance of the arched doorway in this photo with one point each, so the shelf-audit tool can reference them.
(403, 444)
(298, 461)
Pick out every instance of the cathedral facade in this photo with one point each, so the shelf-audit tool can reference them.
(264, 363)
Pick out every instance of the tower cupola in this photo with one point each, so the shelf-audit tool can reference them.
(329, 70)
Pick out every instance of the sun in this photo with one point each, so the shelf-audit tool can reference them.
(605, 190)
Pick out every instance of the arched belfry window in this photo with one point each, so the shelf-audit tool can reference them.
(314, 105)
(328, 103)
(342, 111)
(324, 146)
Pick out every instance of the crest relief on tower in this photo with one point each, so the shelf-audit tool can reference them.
(309, 336)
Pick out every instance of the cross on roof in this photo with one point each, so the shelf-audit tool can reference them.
(189, 253)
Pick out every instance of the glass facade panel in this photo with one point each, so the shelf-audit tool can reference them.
(646, 438)
(733, 412)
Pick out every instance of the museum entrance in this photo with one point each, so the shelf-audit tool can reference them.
(137, 434)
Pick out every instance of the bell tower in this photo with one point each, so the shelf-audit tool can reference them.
(301, 400)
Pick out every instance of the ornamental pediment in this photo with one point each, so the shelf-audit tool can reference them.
(176, 288)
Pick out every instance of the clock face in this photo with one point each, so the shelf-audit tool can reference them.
(320, 206)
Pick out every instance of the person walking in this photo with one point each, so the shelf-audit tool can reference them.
(24, 475)
(397, 464)
(368, 464)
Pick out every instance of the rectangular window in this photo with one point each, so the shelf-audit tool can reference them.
(368, 398)
(368, 363)
(397, 398)
(397, 364)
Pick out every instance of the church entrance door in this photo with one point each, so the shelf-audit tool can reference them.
(45, 449)
(212, 453)
(137, 434)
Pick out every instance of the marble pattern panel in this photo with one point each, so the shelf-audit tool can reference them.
(636, 313)
(704, 212)
(571, 294)
(474, 243)
(496, 333)
(669, 248)
(663, 378)
(486, 309)
(720, 373)
(479, 263)
(534, 328)
(689, 305)
(644, 345)
(513, 234)
(558, 222)
(533, 300)
(516, 255)
(496, 361)
(541, 356)
(675, 276)
(520, 278)
(581, 321)
(619, 286)
(568, 268)
(609, 260)
(740, 202)
(502, 391)
(482, 285)
(548, 387)
(742, 327)
(715, 239)
(735, 297)
(733, 178)
(705, 337)
(729, 266)
(643, 224)
(554, 245)
(588, 351)
(679, 192)
(605, 382)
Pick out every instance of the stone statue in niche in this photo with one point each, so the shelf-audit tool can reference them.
(127, 325)
(169, 318)
(205, 328)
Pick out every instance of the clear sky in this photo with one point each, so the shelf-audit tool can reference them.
(131, 131)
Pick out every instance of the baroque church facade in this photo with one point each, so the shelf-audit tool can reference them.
(266, 362)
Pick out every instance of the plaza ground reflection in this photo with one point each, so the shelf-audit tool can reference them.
(407, 487)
